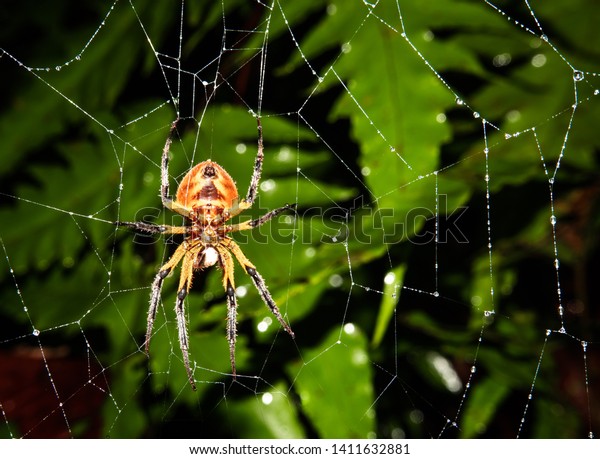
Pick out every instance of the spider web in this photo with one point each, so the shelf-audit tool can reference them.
(438, 270)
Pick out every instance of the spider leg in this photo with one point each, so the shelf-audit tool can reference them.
(156, 288)
(253, 188)
(258, 281)
(229, 286)
(240, 205)
(167, 201)
(249, 224)
(152, 228)
(185, 283)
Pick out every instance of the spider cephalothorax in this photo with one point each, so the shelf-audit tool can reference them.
(207, 197)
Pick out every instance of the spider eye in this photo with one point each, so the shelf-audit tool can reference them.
(209, 171)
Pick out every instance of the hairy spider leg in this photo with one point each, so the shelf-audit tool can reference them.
(239, 206)
(156, 288)
(185, 284)
(258, 162)
(258, 281)
(153, 228)
(226, 262)
(167, 201)
(249, 224)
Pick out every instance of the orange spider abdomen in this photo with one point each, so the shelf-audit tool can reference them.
(207, 189)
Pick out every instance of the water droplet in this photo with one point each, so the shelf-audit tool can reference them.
(578, 75)
(459, 101)
(596, 92)
(553, 220)
(486, 178)
(436, 294)
(336, 280)
(502, 60)
(476, 115)
(556, 263)
(473, 369)
(267, 398)
(389, 278)
(349, 328)
(507, 136)
(428, 35)
(35, 332)
(57, 68)
(544, 37)
(268, 185)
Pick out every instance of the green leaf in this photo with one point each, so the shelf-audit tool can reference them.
(481, 405)
(273, 411)
(391, 295)
(334, 385)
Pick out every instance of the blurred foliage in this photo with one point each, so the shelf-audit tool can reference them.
(393, 125)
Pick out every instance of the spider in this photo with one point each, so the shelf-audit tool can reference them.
(207, 197)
